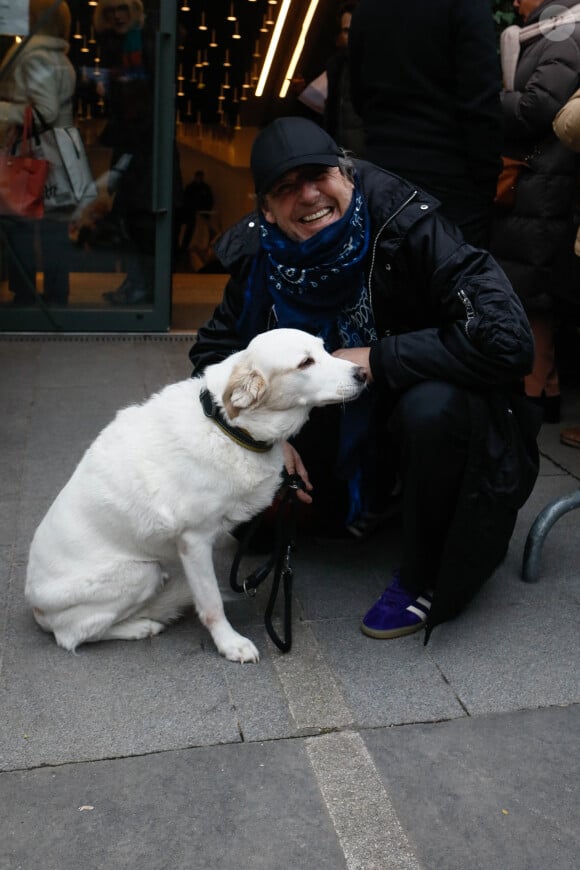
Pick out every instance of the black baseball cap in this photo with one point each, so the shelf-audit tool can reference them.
(287, 143)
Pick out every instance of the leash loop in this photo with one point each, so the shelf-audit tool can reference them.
(279, 561)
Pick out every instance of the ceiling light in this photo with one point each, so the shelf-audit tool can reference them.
(264, 26)
(298, 48)
(257, 49)
(276, 33)
(236, 34)
(202, 25)
(213, 43)
(227, 58)
(232, 15)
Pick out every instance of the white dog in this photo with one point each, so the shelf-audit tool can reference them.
(163, 480)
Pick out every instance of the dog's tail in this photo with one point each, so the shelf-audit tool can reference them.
(169, 603)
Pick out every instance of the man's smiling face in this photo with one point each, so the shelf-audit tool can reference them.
(305, 200)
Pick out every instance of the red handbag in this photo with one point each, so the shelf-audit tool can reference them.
(505, 196)
(22, 178)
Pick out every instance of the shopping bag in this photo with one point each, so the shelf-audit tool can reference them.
(70, 181)
(22, 178)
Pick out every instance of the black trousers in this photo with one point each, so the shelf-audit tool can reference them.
(431, 428)
(423, 440)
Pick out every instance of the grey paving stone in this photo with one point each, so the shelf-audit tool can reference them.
(19, 366)
(5, 571)
(111, 698)
(89, 363)
(513, 656)
(568, 458)
(487, 793)
(257, 695)
(341, 579)
(385, 682)
(9, 523)
(221, 808)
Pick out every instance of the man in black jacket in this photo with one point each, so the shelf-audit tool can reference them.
(364, 259)
(425, 78)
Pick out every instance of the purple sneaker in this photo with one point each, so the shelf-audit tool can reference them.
(397, 612)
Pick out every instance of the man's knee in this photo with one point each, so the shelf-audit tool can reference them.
(431, 412)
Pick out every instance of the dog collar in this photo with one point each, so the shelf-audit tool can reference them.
(239, 436)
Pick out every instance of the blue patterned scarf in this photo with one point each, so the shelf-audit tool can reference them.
(319, 285)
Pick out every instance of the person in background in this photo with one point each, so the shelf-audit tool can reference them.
(364, 259)
(340, 118)
(425, 80)
(529, 239)
(127, 64)
(38, 75)
(197, 200)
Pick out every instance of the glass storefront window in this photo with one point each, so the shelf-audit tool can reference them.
(104, 262)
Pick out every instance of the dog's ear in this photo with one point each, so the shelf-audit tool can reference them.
(244, 388)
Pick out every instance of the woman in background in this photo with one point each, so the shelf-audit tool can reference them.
(529, 239)
(38, 74)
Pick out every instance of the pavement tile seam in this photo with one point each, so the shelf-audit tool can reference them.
(329, 732)
(363, 815)
(313, 695)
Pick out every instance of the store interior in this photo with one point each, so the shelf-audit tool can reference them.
(238, 65)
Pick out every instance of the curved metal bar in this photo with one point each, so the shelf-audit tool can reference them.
(540, 528)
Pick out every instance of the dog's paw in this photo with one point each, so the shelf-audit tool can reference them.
(239, 649)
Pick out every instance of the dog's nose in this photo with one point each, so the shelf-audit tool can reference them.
(360, 375)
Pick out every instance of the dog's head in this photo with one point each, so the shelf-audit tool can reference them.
(273, 384)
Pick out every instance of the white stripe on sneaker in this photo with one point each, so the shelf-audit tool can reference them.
(420, 613)
(425, 602)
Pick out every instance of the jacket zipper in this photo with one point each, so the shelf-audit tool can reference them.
(376, 241)
(469, 309)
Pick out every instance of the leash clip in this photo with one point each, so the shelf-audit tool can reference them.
(293, 481)
(249, 591)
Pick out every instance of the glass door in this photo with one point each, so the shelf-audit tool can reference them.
(99, 259)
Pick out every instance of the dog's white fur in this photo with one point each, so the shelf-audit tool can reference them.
(158, 486)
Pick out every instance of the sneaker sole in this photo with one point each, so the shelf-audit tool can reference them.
(386, 634)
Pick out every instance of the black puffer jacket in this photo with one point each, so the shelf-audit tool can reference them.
(532, 240)
(444, 311)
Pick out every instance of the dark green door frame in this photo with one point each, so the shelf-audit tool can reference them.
(157, 317)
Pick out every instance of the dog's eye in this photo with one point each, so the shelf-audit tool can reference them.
(306, 363)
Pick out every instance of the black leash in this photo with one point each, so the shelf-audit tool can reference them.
(279, 560)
